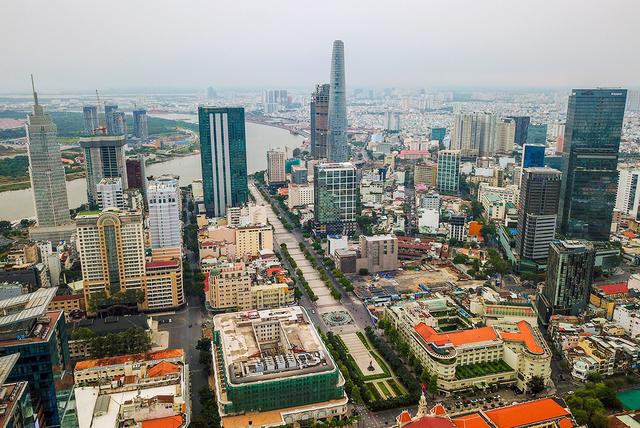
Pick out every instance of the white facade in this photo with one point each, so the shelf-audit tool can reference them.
(505, 136)
(197, 190)
(628, 196)
(246, 215)
(371, 191)
(509, 193)
(110, 195)
(430, 201)
(275, 166)
(428, 220)
(164, 212)
(299, 195)
(628, 317)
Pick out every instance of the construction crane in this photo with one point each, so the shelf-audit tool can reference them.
(102, 128)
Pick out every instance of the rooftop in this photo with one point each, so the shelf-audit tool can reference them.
(26, 306)
(103, 326)
(270, 344)
(611, 289)
(527, 413)
(123, 359)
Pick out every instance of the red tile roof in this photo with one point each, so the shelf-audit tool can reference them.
(122, 359)
(168, 422)
(531, 412)
(162, 263)
(610, 289)
(404, 417)
(163, 368)
(524, 334)
(456, 338)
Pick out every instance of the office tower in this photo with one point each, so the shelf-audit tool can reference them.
(91, 122)
(119, 124)
(210, 93)
(319, 121)
(532, 156)
(505, 136)
(337, 149)
(569, 278)
(109, 117)
(15, 402)
(538, 212)
(391, 121)
(438, 134)
(628, 195)
(334, 198)
(140, 128)
(275, 100)
(223, 156)
(45, 169)
(448, 171)
(111, 248)
(40, 337)
(104, 158)
(633, 101)
(537, 134)
(522, 125)
(110, 194)
(136, 178)
(474, 134)
(299, 174)
(275, 167)
(590, 161)
(457, 227)
(165, 227)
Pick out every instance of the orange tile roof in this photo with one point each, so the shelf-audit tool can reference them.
(473, 420)
(456, 338)
(531, 412)
(111, 361)
(525, 334)
(431, 422)
(168, 422)
(565, 423)
(404, 417)
(162, 368)
(438, 410)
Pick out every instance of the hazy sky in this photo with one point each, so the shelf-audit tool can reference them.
(86, 44)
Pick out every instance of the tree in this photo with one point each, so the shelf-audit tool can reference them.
(535, 385)
(460, 258)
(82, 333)
(594, 377)
(476, 210)
(487, 230)
(363, 271)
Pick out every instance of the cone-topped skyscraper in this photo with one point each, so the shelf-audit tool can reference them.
(45, 168)
(337, 149)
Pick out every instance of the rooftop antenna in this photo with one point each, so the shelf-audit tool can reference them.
(35, 94)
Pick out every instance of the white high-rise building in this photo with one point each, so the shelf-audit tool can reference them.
(505, 136)
(628, 196)
(275, 167)
(110, 194)
(164, 212)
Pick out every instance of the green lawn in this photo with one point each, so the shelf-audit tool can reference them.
(384, 389)
(374, 391)
(397, 389)
(482, 369)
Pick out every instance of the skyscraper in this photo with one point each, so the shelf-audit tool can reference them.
(628, 195)
(45, 169)
(532, 156)
(223, 156)
(104, 158)
(522, 125)
(110, 194)
(275, 167)
(448, 171)
(337, 149)
(438, 134)
(590, 161)
(537, 134)
(109, 117)
(91, 123)
(538, 212)
(165, 228)
(136, 178)
(505, 136)
(140, 128)
(474, 134)
(334, 198)
(569, 278)
(319, 121)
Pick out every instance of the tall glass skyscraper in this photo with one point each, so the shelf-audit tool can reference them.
(319, 107)
(532, 156)
(537, 134)
(337, 149)
(45, 169)
(589, 162)
(223, 156)
(522, 125)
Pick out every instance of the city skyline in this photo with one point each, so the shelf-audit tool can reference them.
(500, 55)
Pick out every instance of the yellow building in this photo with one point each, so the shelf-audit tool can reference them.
(267, 296)
(252, 239)
(228, 287)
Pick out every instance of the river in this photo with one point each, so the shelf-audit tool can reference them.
(18, 204)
